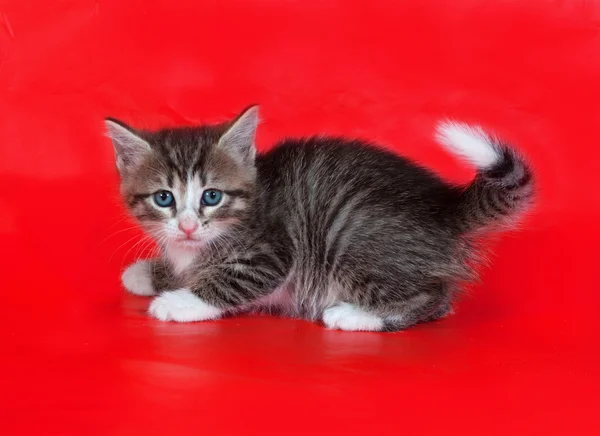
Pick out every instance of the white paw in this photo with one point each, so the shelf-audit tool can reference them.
(137, 279)
(345, 316)
(182, 306)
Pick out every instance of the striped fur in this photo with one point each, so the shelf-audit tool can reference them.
(321, 228)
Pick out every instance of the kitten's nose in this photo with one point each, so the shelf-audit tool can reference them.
(188, 227)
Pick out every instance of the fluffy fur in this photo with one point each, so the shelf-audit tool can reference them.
(326, 229)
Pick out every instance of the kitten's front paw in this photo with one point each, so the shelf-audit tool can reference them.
(182, 306)
(137, 279)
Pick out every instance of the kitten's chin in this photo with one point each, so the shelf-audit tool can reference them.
(188, 244)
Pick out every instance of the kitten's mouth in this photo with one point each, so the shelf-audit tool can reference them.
(189, 243)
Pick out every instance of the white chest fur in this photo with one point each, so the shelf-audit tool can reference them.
(180, 258)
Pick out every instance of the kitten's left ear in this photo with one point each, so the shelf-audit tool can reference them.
(238, 140)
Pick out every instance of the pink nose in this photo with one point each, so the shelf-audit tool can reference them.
(188, 228)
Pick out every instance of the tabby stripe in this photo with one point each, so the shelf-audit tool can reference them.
(222, 293)
(493, 204)
(238, 193)
(524, 180)
(242, 293)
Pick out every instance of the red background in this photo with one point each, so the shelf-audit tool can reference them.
(77, 356)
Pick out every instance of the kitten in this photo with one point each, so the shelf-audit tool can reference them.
(325, 229)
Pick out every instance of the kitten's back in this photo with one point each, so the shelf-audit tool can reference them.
(322, 171)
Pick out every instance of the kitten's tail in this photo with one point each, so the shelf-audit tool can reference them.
(503, 187)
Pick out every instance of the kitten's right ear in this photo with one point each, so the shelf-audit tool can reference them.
(129, 147)
(238, 140)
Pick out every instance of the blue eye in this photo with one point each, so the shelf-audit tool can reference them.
(163, 198)
(211, 197)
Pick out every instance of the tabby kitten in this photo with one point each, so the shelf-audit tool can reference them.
(325, 229)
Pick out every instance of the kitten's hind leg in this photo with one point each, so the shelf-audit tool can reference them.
(349, 317)
(445, 309)
(425, 307)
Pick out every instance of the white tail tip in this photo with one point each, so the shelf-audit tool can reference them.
(468, 142)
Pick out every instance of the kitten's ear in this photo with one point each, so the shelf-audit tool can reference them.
(129, 147)
(238, 140)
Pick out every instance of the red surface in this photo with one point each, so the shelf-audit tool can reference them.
(78, 357)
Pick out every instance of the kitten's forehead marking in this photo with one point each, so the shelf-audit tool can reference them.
(189, 192)
(193, 191)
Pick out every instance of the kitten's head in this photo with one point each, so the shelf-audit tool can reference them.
(187, 186)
